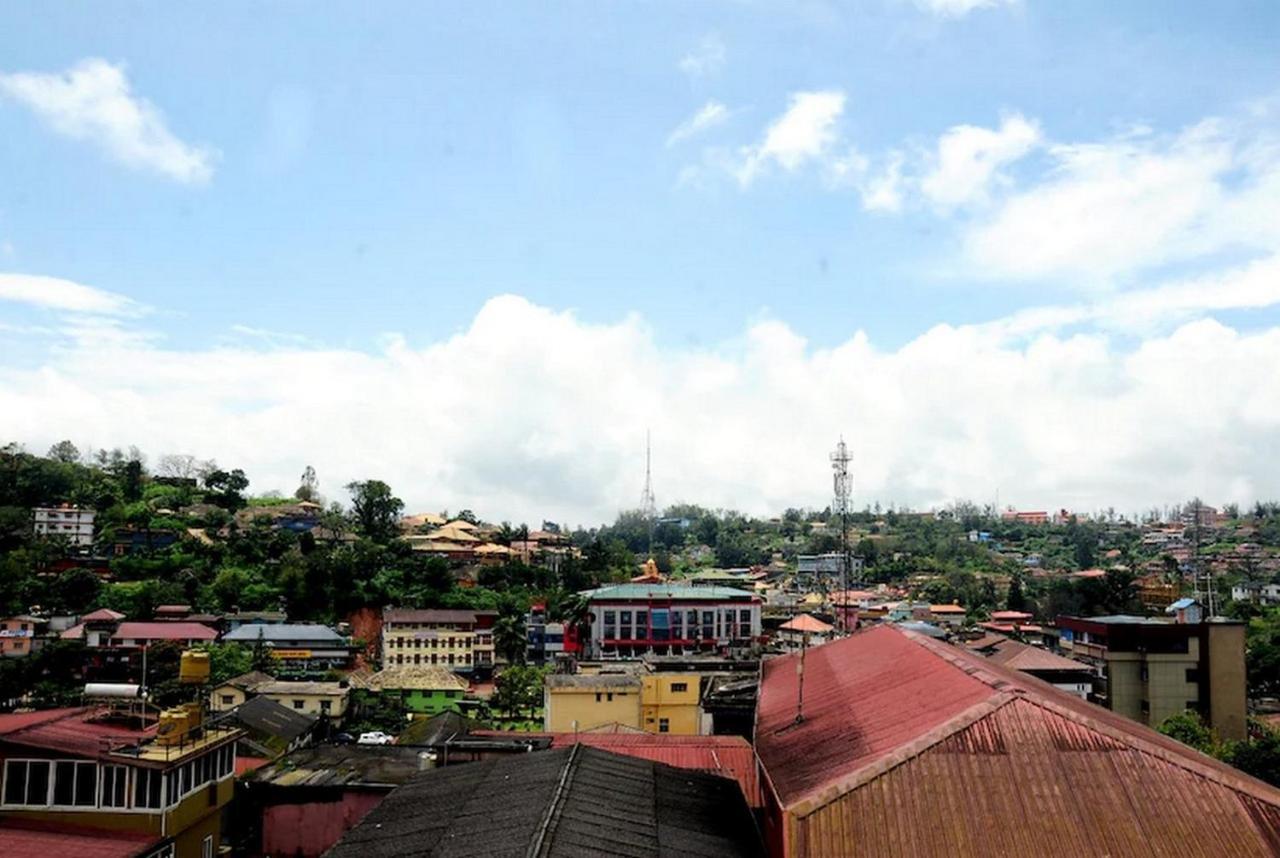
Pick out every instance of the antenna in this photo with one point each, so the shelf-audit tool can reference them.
(648, 506)
(842, 486)
(1201, 573)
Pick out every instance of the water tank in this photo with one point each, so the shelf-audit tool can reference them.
(194, 669)
(173, 727)
(112, 689)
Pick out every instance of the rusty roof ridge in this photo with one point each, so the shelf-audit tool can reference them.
(1183, 756)
(819, 797)
(970, 664)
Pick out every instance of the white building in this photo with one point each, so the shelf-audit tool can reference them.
(69, 522)
(1256, 591)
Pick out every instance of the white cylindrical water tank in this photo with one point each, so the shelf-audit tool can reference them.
(112, 689)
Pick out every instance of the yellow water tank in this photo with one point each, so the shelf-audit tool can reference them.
(173, 727)
(194, 669)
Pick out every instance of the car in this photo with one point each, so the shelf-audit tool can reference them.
(343, 739)
(377, 737)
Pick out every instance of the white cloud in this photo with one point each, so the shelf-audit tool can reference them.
(968, 159)
(959, 8)
(92, 101)
(53, 293)
(1110, 209)
(804, 133)
(711, 114)
(706, 59)
(1050, 420)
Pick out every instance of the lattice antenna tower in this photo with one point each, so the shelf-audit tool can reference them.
(843, 487)
(1201, 572)
(648, 505)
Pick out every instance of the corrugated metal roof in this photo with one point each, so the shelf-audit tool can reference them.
(983, 760)
(571, 802)
(807, 623)
(70, 731)
(309, 632)
(674, 592)
(1020, 656)
(19, 838)
(427, 615)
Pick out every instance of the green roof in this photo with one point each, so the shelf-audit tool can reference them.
(682, 592)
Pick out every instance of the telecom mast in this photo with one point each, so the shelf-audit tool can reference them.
(648, 506)
(842, 485)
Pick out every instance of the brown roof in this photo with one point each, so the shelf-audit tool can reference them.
(807, 623)
(910, 746)
(410, 677)
(1019, 656)
(429, 615)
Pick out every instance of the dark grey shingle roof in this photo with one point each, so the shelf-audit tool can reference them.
(571, 802)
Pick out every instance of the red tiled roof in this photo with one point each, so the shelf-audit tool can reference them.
(1012, 627)
(74, 633)
(946, 609)
(19, 838)
(1010, 615)
(807, 623)
(1019, 656)
(911, 746)
(70, 731)
(164, 632)
(102, 614)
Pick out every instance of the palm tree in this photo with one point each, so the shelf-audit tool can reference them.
(509, 638)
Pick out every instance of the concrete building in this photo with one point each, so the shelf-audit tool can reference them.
(459, 640)
(804, 630)
(71, 523)
(1256, 591)
(18, 635)
(422, 690)
(825, 571)
(653, 703)
(329, 699)
(632, 620)
(114, 780)
(903, 745)
(1073, 677)
(1153, 668)
(299, 649)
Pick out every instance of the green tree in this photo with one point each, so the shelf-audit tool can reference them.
(65, 452)
(517, 689)
(76, 590)
(510, 638)
(1015, 600)
(375, 510)
(1189, 729)
(227, 661)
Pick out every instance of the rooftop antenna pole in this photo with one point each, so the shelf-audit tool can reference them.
(804, 647)
(648, 506)
(840, 478)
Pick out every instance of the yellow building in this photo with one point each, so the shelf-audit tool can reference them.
(658, 703)
(445, 638)
(125, 788)
(309, 698)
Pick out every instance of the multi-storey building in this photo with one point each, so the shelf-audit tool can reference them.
(654, 703)
(18, 635)
(632, 620)
(299, 649)
(117, 783)
(68, 522)
(548, 640)
(1153, 668)
(459, 640)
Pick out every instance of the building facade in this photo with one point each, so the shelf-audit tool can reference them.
(459, 640)
(653, 703)
(632, 620)
(71, 523)
(18, 636)
(1151, 668)
(299, 649)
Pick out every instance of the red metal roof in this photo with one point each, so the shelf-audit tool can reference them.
(102, 614)
(911, 746)
(1020, 656)
(30, 839)
(166, 631)
(70, 731)
(807, 623)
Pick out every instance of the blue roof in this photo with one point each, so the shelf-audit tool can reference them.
(1184, 602)
(284, 632)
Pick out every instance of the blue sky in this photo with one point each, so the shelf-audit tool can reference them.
(261, 185)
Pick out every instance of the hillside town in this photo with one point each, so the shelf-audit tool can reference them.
(191, 670)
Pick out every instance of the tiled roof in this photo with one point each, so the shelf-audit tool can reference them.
(249, 681)
(592, 680)
(1019, 656)
(413, 677)
(570, 802)
(807, 623)
(946, 609)
(102, 614)
(164, 631)
(975, 759)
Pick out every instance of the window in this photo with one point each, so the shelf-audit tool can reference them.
(1143, 673)
(434, 658)
(417, 659)
(598, 696)
(228, 699)
(677, 687)
(661, 630)
(206, 847)
(624, 623)
(450, 658)
(298, 704)
(610, 696)
(326, 705)
(115, 781)
(75, 784)
(664, 725)
(677, 624)
(146, 788)
(744, 617)
(610, 625)
(642, 625)
(708, 624)
(1193, 674)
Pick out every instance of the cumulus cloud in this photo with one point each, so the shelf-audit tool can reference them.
(968, 159)
(706, 59)
(531, 412)
(802, 134)
(959, 8)
(93, 101)
(53, 293)
(711, 114)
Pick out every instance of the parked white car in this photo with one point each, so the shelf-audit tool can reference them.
(377, 737)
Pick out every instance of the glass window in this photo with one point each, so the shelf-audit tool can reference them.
(661, 627)
(326, 705)
(610, 625)
(642, 625)
(624, 623)
(15, 781)
(298, 704)
(744, 617)
(677, 624)
(228, 699)
(677, 687)
(86, 790)
(664, 725)
(64, 783)
(37, 782)
(114, 786)
(708, 624)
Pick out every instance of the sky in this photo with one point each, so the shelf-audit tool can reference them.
(1012, 251)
